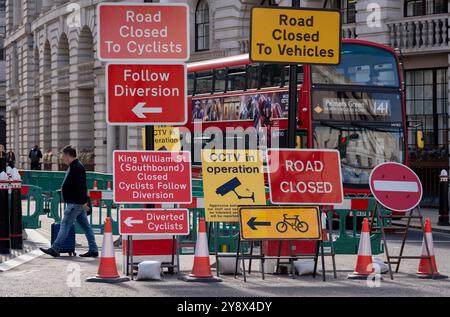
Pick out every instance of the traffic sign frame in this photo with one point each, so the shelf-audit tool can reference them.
(141, 123)
(297, 9)
(305, 203)
(134, 4)
(381, 203)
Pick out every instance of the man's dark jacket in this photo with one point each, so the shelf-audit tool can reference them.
(74, 190)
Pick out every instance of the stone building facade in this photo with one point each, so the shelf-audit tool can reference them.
(55, 83)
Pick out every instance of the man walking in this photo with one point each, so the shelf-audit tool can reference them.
(11, 159)
(35, 156)
(74, 193)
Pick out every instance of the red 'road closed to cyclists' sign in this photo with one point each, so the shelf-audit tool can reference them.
(395, 186)
(146, 94)
(143, 31)
(305, 177)
(154, 222)
(152, 177)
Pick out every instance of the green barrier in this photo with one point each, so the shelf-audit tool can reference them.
(34, 207)
(51, 181)
(346, 239)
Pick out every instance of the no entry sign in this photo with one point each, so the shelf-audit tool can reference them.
(396, 186)
(143, 31)
(152, 177)
(154, 222)
(305, 177)
(146, 94)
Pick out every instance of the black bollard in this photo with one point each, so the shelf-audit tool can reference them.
(443, 199)
(5, 244)
(16, 217)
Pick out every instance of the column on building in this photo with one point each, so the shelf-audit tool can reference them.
(372, 17)
(45, 99)
(60, 116)
(82, 85)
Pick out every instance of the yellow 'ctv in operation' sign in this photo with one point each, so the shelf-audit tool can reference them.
(290, 35)
(167, 138)
(271, 222)
(231, 178)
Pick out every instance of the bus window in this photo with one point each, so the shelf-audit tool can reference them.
(272, 75)
(300, 75)
(253, 77)
(191, 83)
(204, 83)
(220, 76)
(236, 78)
(360, 65)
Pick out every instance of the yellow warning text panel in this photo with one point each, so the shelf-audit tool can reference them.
(293, 223)
(288, 35)
(167, 138)
(231, 178)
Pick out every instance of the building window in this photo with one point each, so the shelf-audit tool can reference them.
(348, 9)
(425, 7)
(426, 109)
(202, 26)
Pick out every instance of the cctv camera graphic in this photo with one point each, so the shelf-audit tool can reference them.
(231, 186)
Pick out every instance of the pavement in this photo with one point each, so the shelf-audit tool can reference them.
(66, 276)
(433, 215)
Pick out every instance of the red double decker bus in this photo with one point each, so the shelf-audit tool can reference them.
(357, 107)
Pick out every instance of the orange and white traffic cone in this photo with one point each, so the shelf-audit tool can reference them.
(95, 202)
(107, 270)
(364, 265)
(109, 186)
(427, 264)
(323, 220)
(201, 270)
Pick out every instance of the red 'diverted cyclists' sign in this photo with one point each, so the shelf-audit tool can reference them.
(146, 94)
(143, 31)
(154, 222)
(151, 177)
(305, 177)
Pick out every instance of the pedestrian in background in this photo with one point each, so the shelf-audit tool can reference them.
(74, 194)
(10, 159)
(35, 157)
(2, 150)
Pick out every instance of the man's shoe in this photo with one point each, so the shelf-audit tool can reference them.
(90, 254)
(50, 251)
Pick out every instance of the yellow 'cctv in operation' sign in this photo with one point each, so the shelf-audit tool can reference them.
(290, 35)
(285, 222)
(231, 178)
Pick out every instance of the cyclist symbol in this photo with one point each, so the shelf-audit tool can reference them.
(294, 223)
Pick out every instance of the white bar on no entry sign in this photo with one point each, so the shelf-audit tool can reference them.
(396, 186)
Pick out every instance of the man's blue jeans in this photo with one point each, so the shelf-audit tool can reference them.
(71, 213)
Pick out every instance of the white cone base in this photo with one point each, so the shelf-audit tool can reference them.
(113, 280)
(189, 278)
(354, 276)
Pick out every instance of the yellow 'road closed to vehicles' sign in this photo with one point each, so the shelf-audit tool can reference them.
(291, 35)
(279, 223)
(167, 138)
(231, 178)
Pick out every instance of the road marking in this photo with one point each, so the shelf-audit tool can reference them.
(396, 186)
(34, 237)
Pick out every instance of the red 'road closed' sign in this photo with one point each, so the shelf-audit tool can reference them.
(395, 186)
(152, 177)
(154, 222)
(305, 177)
(146, 94)
(143, 31)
